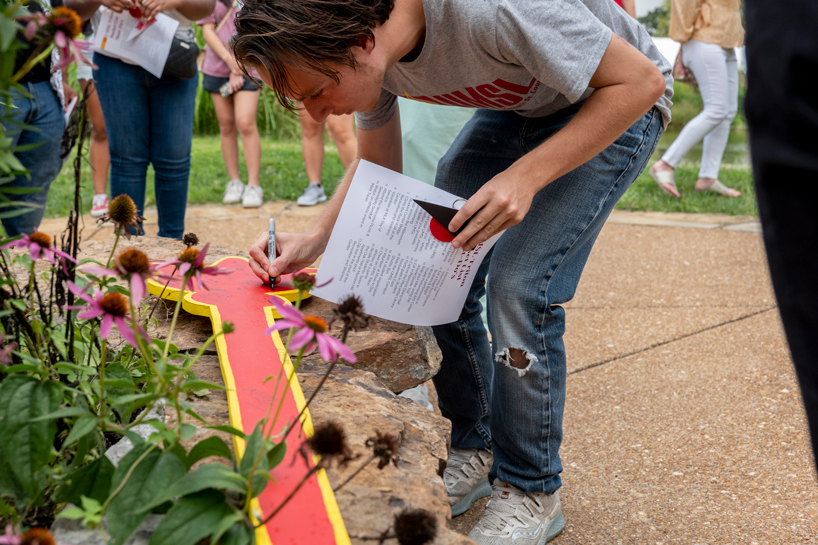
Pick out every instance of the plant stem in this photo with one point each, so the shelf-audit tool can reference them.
(363, 465)
(175, 315)
(102, 366)
(309, 474)
(127, 476)
(42, 51)
(116, 241)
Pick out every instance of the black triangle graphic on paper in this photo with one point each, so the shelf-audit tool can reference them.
(443, 214)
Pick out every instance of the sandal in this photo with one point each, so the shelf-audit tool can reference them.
(721, 189)
(664, 177)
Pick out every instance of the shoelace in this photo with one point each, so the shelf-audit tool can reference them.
(502, 512)
(454, 468)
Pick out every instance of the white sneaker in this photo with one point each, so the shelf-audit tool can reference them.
(467, 477)
(514, 517)
(251, 198)
(233, 192)
(312, 195)
(99, 206)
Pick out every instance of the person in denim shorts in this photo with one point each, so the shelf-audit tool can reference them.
(572, 97)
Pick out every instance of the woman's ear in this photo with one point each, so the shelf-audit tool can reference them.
(366, 43)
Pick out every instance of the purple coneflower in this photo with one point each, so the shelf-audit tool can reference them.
(134, 266)
(191, 259)
(64, 25)
(38, 244)
(311, 331)
(5, 352)
(113, 307)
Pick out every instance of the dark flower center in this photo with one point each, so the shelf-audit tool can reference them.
(70, 22)
(189, 255)
(303, 281)
(319, 325)
(328, 440)
(43, 240)
(134, 261)
(122, 209)
(190, 239)
(114, 304)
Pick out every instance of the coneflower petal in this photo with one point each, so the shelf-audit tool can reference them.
(60, 38)
(183, 268)
(324, 346)
(34, 251)
(126, 331)
(99, 270)
(302, 337)
(287, 311)
(343, 350)
(105, 326)
(90, 313)
(201, 257)
(137, 288)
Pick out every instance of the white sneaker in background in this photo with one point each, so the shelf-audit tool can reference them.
(99, 206)
(233, 192)
(251, 198)
(513, 517)
(467, 477)
(312, 195)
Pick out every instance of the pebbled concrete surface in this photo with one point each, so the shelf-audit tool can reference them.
(684, 421)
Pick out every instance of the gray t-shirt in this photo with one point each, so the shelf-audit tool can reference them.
(534, 57)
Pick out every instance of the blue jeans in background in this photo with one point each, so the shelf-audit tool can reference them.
(149, 121)
(45, 116)
(533, 268)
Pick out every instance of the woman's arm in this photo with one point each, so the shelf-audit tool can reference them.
(192, 9)
(215, 43)
(630, 7)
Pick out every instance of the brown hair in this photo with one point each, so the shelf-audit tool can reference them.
(311, 35)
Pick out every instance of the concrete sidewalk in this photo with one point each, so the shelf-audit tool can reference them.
(684, 422)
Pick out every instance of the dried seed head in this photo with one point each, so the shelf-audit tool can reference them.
(351, 313)
(38, 536)
(319, 325)
(122, 210)
(190, 240)
(70, 22)
(115, 304)
(329, 441)
(415, 527)
(43, 240)
(385, 446)
(303, 281)
(189, 255)
(134, 261)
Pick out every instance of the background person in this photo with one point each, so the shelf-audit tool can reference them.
(149, 120)
(709, 31)
(312, 147)
(235, 109)
(44, 114)
(98, 149)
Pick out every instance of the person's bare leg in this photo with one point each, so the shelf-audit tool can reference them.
(312, 146)
(98, 150)
(340, 129)
(245, 108)
(227, 133)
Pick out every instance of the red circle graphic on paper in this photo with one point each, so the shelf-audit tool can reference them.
(439, 232)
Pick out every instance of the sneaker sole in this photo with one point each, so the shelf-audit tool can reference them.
(312, 203)
(553, 529)
(98, 214)
(481, 490)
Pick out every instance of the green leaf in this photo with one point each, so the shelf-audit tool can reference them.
(252, 451)
(118, 380)
(192, 518)
(224, 525)
(201, 384)
(276, 454)
(187, 431)
(212, 446)
(82, 427)
(208, 476)
(19, 368)
(150, 478)
(92, 481)
(238, 534)
(62, 413)
(26, 445)
(229, 429)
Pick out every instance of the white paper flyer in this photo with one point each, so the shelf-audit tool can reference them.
(383, 251)
(149, 49)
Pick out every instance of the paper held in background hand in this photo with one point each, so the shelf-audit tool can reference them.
(149, 49)
(383, 251)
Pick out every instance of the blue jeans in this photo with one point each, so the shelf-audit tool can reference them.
(534, 268)
(149, 121)
(42, 112)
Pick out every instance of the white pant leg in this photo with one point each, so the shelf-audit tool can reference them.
(716, 140)
(709, 64)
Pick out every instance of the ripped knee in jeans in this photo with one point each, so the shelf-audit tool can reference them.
(516, 358)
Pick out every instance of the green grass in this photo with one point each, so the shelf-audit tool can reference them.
(735, 172)
(282, 175)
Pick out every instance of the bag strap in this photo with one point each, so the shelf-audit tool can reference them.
(226, 17)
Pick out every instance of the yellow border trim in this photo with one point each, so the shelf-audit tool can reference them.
(211, 311)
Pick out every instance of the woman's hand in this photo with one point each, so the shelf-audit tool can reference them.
(118, 6)
(151, 7)
(295, 251)
(501, 203)
(236, 81)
